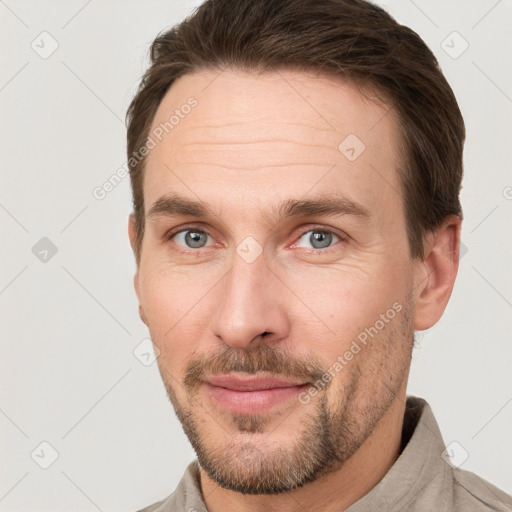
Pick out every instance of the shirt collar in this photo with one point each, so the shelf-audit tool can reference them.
(420, 470)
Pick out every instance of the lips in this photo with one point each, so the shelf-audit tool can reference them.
(246, 394)
(251, 382)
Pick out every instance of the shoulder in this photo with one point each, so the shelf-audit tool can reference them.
(471, 492)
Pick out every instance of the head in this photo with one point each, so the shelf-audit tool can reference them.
(296, 169)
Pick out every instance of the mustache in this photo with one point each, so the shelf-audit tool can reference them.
(263, 358)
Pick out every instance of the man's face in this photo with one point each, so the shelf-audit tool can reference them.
(333, 291)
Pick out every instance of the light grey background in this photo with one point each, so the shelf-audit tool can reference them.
(68, 374)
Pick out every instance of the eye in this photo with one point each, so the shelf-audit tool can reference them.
(318, 238)
(190, 238)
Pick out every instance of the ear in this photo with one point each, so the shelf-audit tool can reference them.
(132, 232)
(435, 274)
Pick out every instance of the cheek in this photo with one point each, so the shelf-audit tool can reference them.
(174, 306)
(366, 349)
(168, 296)
(343, 302)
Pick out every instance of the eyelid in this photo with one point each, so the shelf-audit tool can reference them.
(171, 233)
(324, 229)
(179, 229)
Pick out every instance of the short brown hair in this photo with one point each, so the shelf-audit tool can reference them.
(351, 39)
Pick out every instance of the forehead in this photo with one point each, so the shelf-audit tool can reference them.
(262, 135)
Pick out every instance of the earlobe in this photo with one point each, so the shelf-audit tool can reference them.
(436, 274)
(137, 291)
(142, 315)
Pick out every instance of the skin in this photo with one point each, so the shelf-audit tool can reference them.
(252, 142)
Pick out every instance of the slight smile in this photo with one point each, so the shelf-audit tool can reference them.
(246, 394)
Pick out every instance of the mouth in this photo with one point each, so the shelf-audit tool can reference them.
(252, 394)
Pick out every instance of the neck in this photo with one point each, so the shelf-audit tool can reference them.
(334, 491)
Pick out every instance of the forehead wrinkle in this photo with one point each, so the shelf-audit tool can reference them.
(266, 120)
(245, 142)
(255, 152)
(251, 133)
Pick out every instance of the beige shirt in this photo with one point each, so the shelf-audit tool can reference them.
(420, 480)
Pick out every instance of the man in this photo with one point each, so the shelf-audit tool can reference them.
(296, 168)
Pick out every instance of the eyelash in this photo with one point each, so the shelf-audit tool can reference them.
(170, 234)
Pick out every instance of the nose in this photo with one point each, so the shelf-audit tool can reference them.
(250, 306)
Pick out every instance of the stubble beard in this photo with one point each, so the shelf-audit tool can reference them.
(327, 436)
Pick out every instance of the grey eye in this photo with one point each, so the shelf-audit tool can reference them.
(318, 239)
(191, 238)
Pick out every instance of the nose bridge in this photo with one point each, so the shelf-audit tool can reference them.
(247, 304)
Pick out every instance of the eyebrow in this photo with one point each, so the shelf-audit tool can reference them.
(174, 205)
